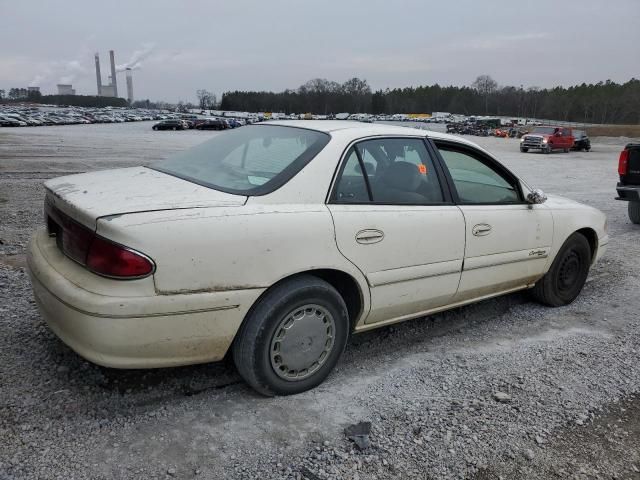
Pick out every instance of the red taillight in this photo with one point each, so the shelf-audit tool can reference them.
(113, 260)
(96, 253)
(623, 163)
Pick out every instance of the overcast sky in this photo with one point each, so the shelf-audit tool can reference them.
(181, 46)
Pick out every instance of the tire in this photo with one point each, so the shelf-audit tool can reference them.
(268, 360)
(568, 273)
(634, 212)
(547, 149)
(566, 150)
(524, 150)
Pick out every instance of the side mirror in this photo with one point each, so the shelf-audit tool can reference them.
(557, 134)
(537, 196)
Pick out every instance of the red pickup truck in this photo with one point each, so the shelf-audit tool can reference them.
(548, 139)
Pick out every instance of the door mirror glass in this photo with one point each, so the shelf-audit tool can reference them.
(536, 196)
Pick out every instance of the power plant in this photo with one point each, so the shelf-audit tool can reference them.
(66, 89)
(129, 86)
(111, 90)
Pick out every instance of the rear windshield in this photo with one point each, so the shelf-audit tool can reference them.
(251, 160)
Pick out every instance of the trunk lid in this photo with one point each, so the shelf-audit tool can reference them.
(633, 165)
(88, 196)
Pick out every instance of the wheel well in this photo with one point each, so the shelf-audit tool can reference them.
(592, 238)
(344, 283)
(347, 287)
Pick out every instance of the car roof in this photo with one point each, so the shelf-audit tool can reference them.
(360, 129)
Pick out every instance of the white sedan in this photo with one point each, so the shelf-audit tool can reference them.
(275, 242)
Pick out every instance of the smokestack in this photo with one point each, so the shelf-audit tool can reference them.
(129, 86)
(113, 74)
(98, 76)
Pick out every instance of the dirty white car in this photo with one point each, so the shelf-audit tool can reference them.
(275, 242)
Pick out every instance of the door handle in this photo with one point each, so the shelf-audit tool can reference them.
(481, 230)
(370, 235)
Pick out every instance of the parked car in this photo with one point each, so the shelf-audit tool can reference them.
(629, 185)
(548, 139)
(277, 241)
(10, 122)
(581, 141)
(211, 124)
(170, 125)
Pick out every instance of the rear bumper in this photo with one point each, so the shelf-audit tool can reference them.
(628, 193)
(135, 332)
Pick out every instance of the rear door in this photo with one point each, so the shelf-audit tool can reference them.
(507, 240)
(567, 137)
(398, 226)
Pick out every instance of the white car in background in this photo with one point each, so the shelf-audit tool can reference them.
(275, 242)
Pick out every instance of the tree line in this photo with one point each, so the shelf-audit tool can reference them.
(34, 96)
(602, 102)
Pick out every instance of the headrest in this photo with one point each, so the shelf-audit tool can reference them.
(402, 176)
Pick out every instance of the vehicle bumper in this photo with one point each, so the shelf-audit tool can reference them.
(135, 332)
(628, 193)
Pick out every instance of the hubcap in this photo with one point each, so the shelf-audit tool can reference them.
(569, 271)
(302, 342)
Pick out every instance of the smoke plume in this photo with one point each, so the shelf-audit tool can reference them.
(137, 57)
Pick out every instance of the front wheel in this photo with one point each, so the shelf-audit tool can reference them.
(524, 149)
(547, 149)
(567, 275)
(293, 337)
(634, 212)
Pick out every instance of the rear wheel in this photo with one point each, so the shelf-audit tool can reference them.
(566, 150)
(634, 212)
(567, 275)
(293, 337)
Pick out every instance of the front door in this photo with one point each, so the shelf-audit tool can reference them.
(507, 240)
(397, 225)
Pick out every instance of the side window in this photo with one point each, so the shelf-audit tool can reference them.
(402, 172)
(475, 180)
(351, 186)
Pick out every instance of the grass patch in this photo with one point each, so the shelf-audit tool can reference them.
(632, 131)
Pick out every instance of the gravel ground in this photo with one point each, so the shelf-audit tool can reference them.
(501, 389)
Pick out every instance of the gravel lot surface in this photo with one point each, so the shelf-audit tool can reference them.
(502, 389)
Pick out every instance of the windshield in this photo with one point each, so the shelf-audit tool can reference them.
(251, 160)
(544, 130)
